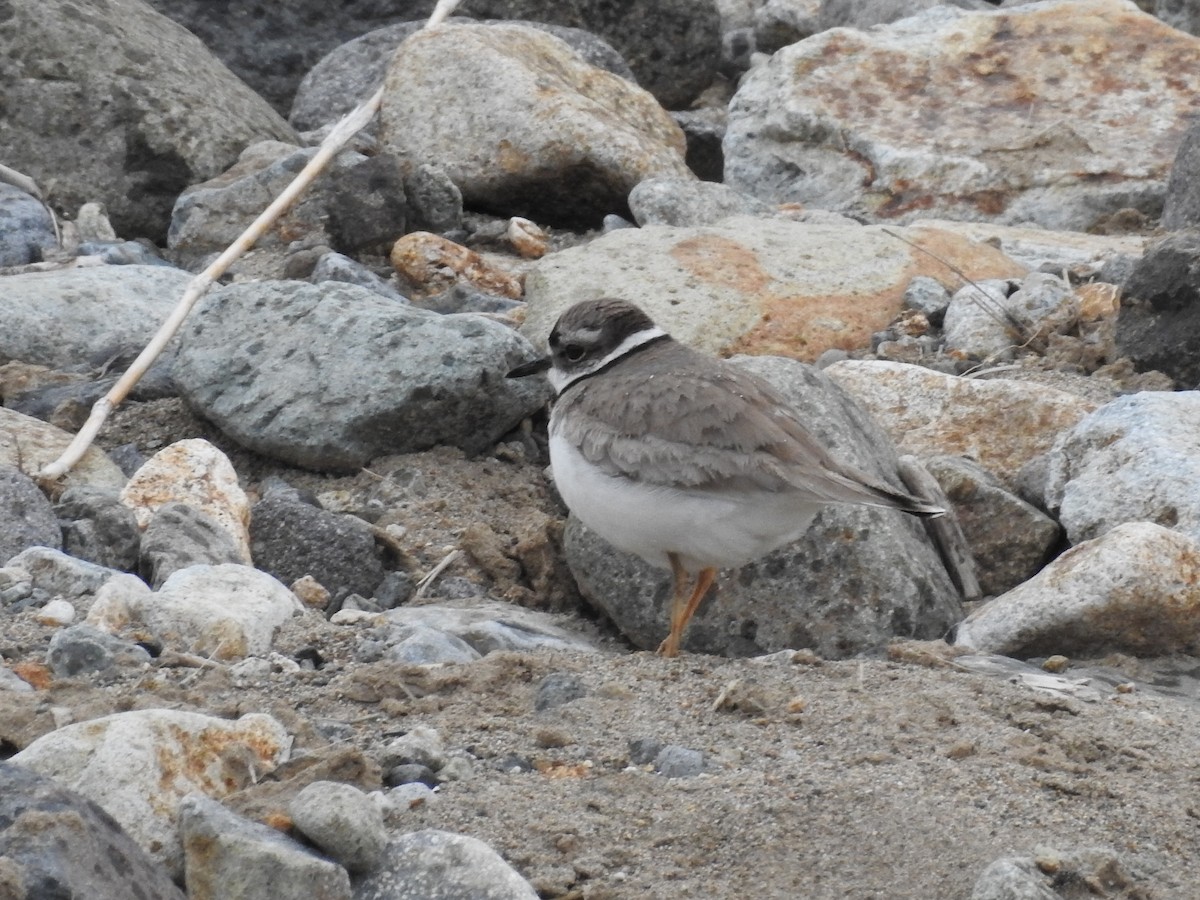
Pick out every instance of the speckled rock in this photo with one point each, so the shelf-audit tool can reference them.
(747, 286)
(29, 444)
(139, 765)
(551, 138)
(26, 517)
(26, 230)
(439, 865)
(927, 413)
(1135, 589)
(1002, 133)
(343, 822)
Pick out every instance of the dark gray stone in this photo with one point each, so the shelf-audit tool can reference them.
(336, 267)
(673, 761)
(434, 201)
(180, 535)
(365, 205)
(392, 379)
(112, 102)
(227, 857)
(65, 846)
(927, 296)
(26, 230)
(291, 540)
(704, 130)
(859, 577)
(1010, 540)
(642, 751)
(556, 689)
(82, 650)
(98, 527)
(1159, 323)
(26, 516)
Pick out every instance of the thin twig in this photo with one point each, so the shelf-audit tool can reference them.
(424, 584)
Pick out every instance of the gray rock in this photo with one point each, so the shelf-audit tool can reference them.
(1179, 14)
(1009, 539)
(393, 379)
(1136, 459)
(26, 516)
(1159, 323)
(688, 203)
(82, 650)
(642, 751)
(352, 72)
(462, 298)
(343, 822)
(227, 857)
(123, 253)
(337, 267)
(422, 746)
(865, 13)
(1181, 209)
(1013, 878)
(11, 681)
(16, 586)
(778, 23)
(556, 689)
(439, 865)
(357, 204)
(1135, 589)
(434, 201)
(798, 134)
(551, 138)
(55, 573)
(421, 645)
(704, 130)
(927, 296)
(491, 625)
(181, 535)
(857, 578)
(26, 230)
(673, 761)
(64, 845)
(290, 540)
(994, 324)
(90, 314)
(182, 116)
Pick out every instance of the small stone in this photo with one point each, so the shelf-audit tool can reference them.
(457, 768)
(1056, 664)
(927, 296)
(410, 773)
(409, 796)
(311, 592)
(342, 821)
(960, 750)
(527, 239)
(422, 745)
(644, 750)
(674, 761)
(431, 263)
(556, 689)
(56, 612)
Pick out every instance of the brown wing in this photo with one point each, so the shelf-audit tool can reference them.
(684, 421)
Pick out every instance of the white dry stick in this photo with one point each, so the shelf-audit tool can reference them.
(354, 122)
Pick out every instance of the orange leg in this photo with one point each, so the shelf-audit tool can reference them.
(681, 610)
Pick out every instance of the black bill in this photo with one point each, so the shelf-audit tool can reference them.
(530, 368)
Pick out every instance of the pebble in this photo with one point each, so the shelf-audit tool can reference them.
(440, 865)
(342, 821)
(86, 650)
(56, 612)
(556, 689)
(674, 761)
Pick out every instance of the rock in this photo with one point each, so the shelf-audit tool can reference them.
(98, 527)
(195, 473)
(351, 73)
(291, 539)
(181, 535)
(357, 204)
(863, 14)
(421, 746)
(53, 573)
(410, 379)
(337, 267)
(342, 821)
(83, 649)
(1034, 878)
(798, 596)
(1181, 209)
(439, 865)
(704, 129)
(487, 626)
(1009, 538)
(687, 203)
(1013, 878)
(928, 297)
(741, 286)
(26, 516)
(139, 765)
(927, 413)
(827, 121)
(992, 319)
(1135, 589)
(778, 23)
(56, 613)
(552, 138)
(422, 645)
(428, 263)
(1134, 459)
(26, 229)
(64, 845)
(30, 444)
(556, 689)
(226, 612)
(141, 152)
(124, 253)
(92, 314)
(1159, 323)
(673, 761)
(227, 857)
(434, 201)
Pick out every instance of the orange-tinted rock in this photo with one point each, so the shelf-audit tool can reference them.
(430, 264)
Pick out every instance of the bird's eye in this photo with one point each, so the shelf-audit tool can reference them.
(573, 352)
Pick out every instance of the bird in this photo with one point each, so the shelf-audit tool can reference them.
(684, 459)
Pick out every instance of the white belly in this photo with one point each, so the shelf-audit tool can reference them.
(704, 528)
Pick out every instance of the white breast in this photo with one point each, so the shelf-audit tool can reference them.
(705, 528)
